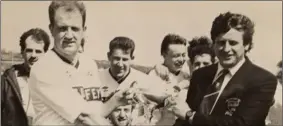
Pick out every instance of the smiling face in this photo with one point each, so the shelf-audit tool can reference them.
(175, 57)
(68, 31)
(121, 116)
(120, 61)
(229, 48)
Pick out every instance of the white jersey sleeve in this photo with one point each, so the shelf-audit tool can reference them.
(59, 97)
(56, 93)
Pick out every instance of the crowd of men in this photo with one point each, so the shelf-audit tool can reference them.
(204, 81)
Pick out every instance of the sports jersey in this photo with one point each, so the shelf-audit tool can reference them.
(167, 117)
(180, 79)
(61, 91)
(143, 81)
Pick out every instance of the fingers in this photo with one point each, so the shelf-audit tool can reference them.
(134, 84)
(161, 71)
(169, 102)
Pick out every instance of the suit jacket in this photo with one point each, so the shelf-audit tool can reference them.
(245, 100)
(12, 111)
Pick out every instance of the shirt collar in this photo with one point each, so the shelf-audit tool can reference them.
(121, 79)
(74, 63)
(234, 69)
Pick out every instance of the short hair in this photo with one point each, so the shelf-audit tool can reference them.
(123, 43)
(37, 34)
(279, 64)
(224, 22)
(200, 45)
(171, 39)
(70, 6)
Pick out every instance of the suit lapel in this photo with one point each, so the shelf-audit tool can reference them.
(237, 82)
(199, 86)
(235, 87)
(209, 76)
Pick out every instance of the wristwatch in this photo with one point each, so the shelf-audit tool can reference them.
(189, 114)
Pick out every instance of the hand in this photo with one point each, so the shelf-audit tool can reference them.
(91, 120)
(126, 96)
(177, 106)
(162, 71)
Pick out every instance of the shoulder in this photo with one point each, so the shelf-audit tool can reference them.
(207, 71)
(8, 71)
(142, 75)
(259, 72)
(12, 70)
(261, 78)
(104, 74)
(46, 62)
(88, 62)
(152, 72)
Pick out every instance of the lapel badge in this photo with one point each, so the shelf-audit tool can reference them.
(232, 104)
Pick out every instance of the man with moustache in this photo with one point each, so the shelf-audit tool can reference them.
(234, 92)
(64, 84)
(16, 104)
(120, 75)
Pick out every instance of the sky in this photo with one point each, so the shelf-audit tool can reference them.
(147, 22)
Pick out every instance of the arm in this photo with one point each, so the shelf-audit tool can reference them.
(252, 110)
(161, 71)
(57, 95)
(154, 89)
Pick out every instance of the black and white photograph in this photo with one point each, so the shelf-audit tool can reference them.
(139, 63)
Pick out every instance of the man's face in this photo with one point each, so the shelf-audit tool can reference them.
(175, 57)
(201, 61)
(34, 49)
(229, 48)
(122, 116)
(120, 61)
(68, 31)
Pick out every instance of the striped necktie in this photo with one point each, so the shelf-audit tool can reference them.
(212, 93)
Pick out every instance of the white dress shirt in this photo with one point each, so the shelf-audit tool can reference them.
(227, 78)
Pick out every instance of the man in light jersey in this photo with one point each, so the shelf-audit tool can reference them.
(64, 85)
(200, 54)
(120, 76)
(173, 50)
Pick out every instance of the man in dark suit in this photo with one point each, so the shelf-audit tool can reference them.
(234, 92)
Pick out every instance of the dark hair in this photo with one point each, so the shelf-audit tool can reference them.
(171, 39)
(70, 6)
(224, 22)
(279, 64)
(200, 45)
(123, 43)
(37, 34)
(83, 43)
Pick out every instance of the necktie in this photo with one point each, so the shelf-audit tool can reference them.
(212, 93)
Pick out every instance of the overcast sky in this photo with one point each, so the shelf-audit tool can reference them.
(148, 22)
